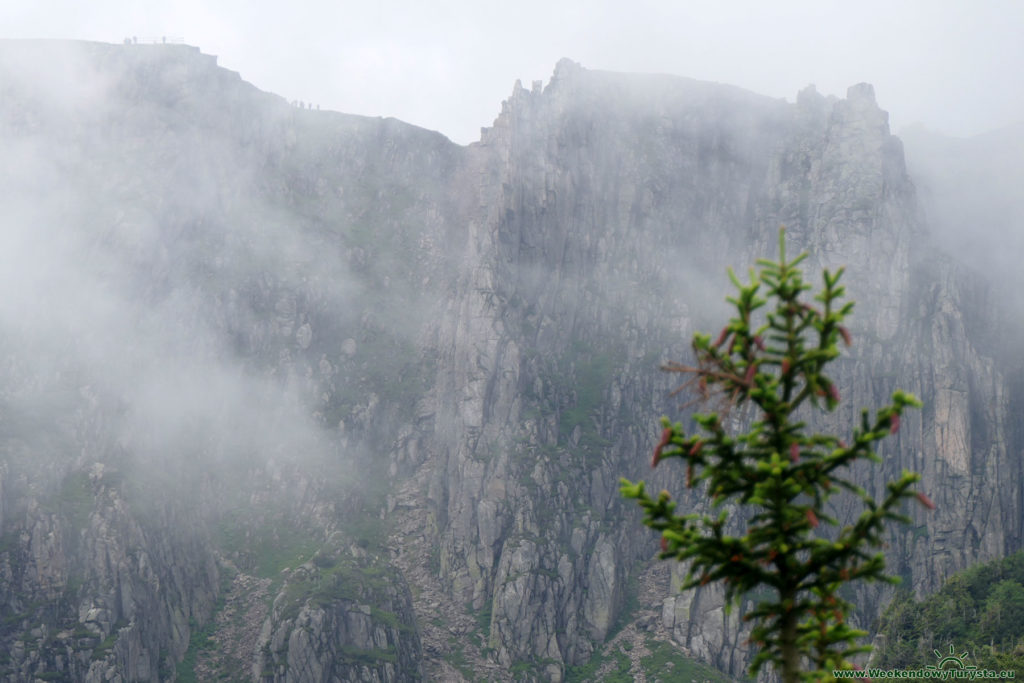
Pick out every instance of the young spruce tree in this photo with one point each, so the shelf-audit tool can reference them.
(777, 477)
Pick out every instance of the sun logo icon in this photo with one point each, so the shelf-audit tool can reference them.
(959, 660)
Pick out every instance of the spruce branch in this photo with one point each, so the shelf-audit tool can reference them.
(777, 476)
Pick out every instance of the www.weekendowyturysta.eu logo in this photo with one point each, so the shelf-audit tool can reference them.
(950, 666)
(951, 661)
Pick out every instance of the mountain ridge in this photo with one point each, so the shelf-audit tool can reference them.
(279, 342)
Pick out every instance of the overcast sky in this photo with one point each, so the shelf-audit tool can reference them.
(956, 66)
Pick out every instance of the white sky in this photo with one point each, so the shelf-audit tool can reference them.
(956, 66)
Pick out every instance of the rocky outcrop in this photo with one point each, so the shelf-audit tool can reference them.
(393, 382)
(189, 368)
(339, 618)
(88, 595)
(613, 187)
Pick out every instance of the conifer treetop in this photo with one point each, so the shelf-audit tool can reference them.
(776, 478)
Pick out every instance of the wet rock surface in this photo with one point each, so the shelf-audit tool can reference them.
(394, 381)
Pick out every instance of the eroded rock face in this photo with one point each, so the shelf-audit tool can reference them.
(621, 199)
(338, 618)
(413, 364)
(88, 594)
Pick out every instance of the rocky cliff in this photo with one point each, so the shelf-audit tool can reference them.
(299, 396)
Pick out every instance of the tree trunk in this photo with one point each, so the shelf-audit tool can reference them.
(790, 653)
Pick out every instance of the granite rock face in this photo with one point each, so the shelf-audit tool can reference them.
(398, 379)
(340, 619)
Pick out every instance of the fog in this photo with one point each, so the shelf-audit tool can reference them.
(159, 306)
(131, 290)
(242, 302)
(446, 66)
(970, 191)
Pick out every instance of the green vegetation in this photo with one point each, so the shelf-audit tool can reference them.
(368, 530)
(384, 364)
(333, 580)
(268, 549)
(776, 479)
(664, 662)
(106, 646)
(530, 669)
(370, 657)
(667, 663)
(457, 658)
(75, 500)
(345, 578)
(199, 641)
(631, 603)
(483, 617)
(979, 611)
(594, 372)
(388, 618)
(588, 670)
